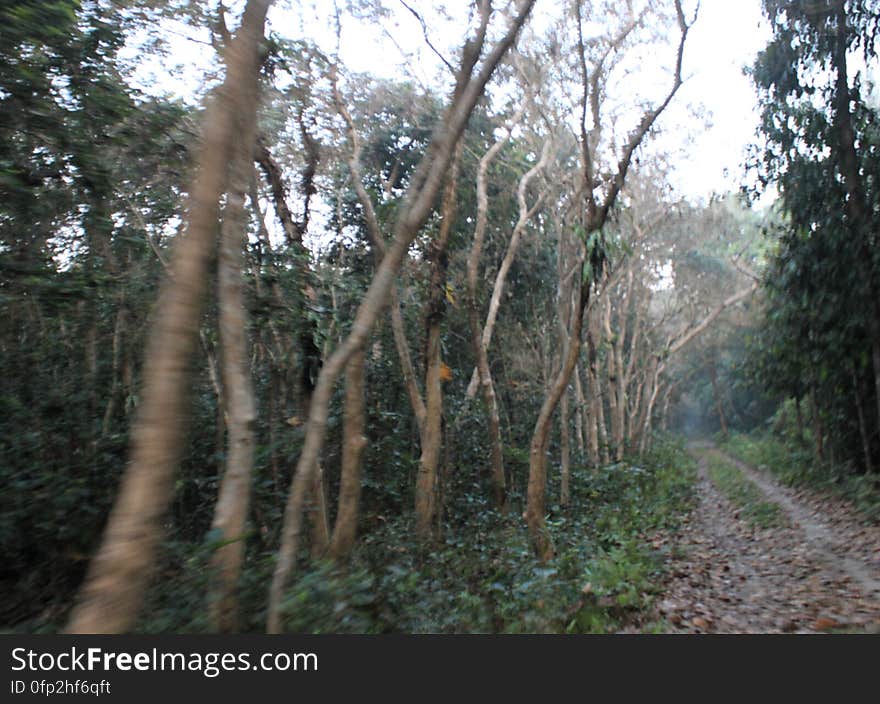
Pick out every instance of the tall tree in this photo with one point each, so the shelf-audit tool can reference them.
(820, 153)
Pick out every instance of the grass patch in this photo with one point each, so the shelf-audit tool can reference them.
(795, 465)
(745, 494)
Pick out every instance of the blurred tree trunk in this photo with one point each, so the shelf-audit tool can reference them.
(565, 453)
(799, 415)
(354, 442)
(818, 425)
(114, 587)
(230, 514)
(484, 372)
(598, 403)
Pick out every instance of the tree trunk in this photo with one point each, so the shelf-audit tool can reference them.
(614, 402)
(432, 437)
(664, 413)
(114, 587)
(863, 428)
(579, 418)
(535, 496)
(591, 418)
(645, 421)
(484, 372)
(818, 428)
(354, 442)
(716, 394)
(233, 500)
(799, 416)
(858, 209)
(525, 214)
(596, 396)
(565, 451)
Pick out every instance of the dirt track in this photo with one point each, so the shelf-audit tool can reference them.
(821, 572)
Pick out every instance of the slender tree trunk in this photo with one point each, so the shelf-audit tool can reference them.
(818, 428)
(565, 451)
(535, 496)
(579, 417)
(525, 214)
(591, 418)
(799, 415)
(863, 428)
(645, 421)
(432, 437)
(114, 587)
(614, 402)
(426, 480)
(496, 449)
(596, 394)
(617, 350)
(230, 514)
(345, 529)
(664, 413)
(716, 394)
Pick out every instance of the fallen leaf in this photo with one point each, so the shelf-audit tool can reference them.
(823, 623)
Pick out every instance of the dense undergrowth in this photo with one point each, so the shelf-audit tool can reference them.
(481, 577)
(794, 464)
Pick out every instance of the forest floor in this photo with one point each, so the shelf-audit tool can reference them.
(779, 560)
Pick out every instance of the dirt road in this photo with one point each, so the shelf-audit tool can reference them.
(819, 572)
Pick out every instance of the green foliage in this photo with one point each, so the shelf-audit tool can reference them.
(821, 320)
(482, 576)
(89, 170)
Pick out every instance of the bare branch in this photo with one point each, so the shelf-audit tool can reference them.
(427, 38)
(646, 123)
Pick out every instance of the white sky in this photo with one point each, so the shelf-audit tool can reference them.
(707, 159)
(727, 36)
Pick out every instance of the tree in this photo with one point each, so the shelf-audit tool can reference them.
(821, 147)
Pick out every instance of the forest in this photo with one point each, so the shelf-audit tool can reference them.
(386, 316)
